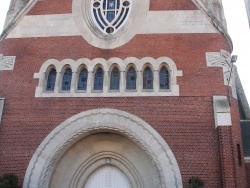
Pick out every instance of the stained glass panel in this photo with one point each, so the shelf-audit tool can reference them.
(51, 80)
(147, 79)
(66, 81)
(98, 82)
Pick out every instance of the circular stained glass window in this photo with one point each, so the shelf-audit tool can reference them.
(110, 15)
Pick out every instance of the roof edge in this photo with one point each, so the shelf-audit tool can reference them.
(214, 21)
(18, 16)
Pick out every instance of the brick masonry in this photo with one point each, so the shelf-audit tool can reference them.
(186, 122)
(247, 166)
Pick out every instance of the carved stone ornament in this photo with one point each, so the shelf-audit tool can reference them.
(7, 62)
(223, 59)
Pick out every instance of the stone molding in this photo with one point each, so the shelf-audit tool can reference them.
(223, 59)
(81, 11)
(106, 158)
(7, 62)
(107, 65)
(168, 22)
(247, 159)
(222, 112)
(86, 123)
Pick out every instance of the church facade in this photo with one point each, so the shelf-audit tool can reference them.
(119, 93)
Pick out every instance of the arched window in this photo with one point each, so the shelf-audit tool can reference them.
(66, 81)
(51, 80)
(98, 82)
(147, 78)
(131, 79)
(115, 79)
(82, 79)
(164, 78)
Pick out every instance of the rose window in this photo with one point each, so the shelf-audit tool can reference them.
(110, 15)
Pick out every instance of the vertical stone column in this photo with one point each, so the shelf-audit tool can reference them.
(223, 124)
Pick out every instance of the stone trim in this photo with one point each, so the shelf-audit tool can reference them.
(223, 59)
(123, 66)
(222, 113)
(7, 62)
(247, 159)
(106, 158)
(109, 120)
(24, 10)
(215, 14)
(81, 11)
(168, 22)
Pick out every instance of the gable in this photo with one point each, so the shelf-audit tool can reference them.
(60, 19)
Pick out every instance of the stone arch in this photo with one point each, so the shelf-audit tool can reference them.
(77, 127)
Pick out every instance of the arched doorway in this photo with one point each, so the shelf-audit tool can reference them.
(87, 142)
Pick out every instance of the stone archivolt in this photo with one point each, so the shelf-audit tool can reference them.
(44, 161)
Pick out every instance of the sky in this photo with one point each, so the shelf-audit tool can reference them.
(238, 29)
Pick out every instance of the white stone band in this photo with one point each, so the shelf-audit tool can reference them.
(156, 22)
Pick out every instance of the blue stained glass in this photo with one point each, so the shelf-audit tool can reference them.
(110, 16)
(115, 79)
(107, 11)
(51, 80)
(164, 78)
(131, 79)
(111, 4)
(82, 80)
(118, 4)
(147, 79)
(66, 81)
(98, 82)
(104, 4)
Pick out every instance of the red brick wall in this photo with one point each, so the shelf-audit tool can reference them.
(185, 122)
(191, 136)
(65, 6)
(247, 166)
(172, 5)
